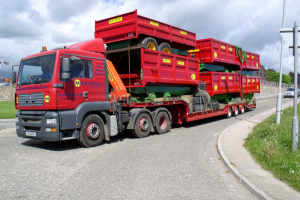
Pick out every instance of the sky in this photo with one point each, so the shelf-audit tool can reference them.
(27, 25)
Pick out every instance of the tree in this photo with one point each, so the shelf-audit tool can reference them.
(286, 79)
(273, 76)
(291, 74)
(271, 70)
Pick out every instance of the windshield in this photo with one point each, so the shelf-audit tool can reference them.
(36, 70)
(290, 89)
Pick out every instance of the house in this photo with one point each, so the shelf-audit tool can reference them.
(261, 73)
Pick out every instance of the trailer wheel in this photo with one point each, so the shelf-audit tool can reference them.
(142, 126)
(236, 111)
(229, 113)
(165, 47)
(91, 132)
(243, 110)
(162, 123)
(150, 43)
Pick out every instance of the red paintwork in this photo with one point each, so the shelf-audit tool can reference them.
(221, 53)
(221, 82)
(252, 62)
(95, 45)
(250, 84)
(132, 25)
(163, 68)
(180, 111)
(57, 99)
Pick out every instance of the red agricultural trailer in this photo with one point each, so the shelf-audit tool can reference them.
(250, 84)
(216, 52)
(131, 26)
(221, 82)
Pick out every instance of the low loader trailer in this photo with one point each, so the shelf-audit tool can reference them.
(84, 97)
(143, 82)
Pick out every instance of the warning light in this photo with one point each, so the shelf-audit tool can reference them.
(44, 48)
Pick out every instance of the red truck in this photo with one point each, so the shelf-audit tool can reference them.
(76, 92)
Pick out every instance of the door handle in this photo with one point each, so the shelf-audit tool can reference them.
(85, 94)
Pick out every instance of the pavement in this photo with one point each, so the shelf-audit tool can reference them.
(7, 123)
(238, 160)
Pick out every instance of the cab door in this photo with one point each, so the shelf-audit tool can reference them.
(73, 91)
(97, 72)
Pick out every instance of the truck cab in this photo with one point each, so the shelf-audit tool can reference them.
(57, 89)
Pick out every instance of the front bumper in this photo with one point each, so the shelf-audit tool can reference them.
(35, 122)
(288, 95)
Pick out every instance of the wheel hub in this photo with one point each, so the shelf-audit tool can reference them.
(166, 50)
(162, 123)
(93, 131)
(143, 124)
(151, 46)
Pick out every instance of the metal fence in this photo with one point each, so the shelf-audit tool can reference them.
(274, 83)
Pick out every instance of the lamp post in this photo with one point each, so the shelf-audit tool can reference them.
(278, 108)
(5, 62)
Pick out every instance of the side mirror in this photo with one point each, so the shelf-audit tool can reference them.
(66, 65)
(13, 77)
(65, 68)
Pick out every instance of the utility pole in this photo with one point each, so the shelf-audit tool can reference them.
(279, 96)
(295, 117)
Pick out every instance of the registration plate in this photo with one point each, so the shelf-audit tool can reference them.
(33, 134)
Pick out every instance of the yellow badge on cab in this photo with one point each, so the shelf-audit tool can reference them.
(47, 98)
(193, 76)
(77, 83)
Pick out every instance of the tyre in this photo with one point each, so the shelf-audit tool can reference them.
(243, 110)
(165, 47)
(229, 113)
(236, 111)
(92, 131)
(142, 126)
(162, 123)
(150, 43)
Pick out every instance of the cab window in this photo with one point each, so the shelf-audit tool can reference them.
(80, 69)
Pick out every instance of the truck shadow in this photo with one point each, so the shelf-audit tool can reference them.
(72, 144)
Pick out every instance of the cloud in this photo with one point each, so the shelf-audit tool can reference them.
(28, 24)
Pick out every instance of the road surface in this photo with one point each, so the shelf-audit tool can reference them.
(181, 164)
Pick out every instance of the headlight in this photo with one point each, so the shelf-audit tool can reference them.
(51, 121)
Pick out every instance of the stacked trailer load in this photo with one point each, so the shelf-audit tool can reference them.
(212, 51)
(130, 29)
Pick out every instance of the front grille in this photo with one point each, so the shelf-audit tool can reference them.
(34, 99)
(32, 128)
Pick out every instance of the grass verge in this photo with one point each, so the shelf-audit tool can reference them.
(271, 145)
(7, 109)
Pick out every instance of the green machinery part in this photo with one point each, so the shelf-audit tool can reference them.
(160, 90)
(121, 44)
(180, 52)
(248, 97)
(241, 53)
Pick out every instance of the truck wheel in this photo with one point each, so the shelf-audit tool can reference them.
(162, 123)
(150, 43)
(236, 111)
(165, 47)
(243, 110)
(142, 126)
(92, 131)
(229, 113)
